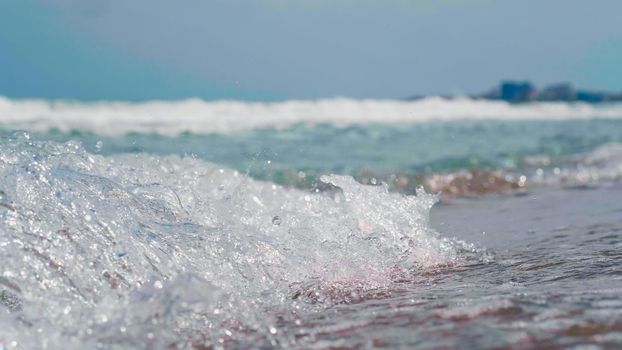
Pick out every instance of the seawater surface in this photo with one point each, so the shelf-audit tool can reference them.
(137, 250)
(311, 235)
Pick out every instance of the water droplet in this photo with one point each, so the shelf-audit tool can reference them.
(276, 221)
(98, 145)
(158, 284)
(301, 174)
(373, 181)
(273, 330)
(87, 217)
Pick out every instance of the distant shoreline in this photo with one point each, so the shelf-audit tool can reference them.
(514, 92)
(524, 91)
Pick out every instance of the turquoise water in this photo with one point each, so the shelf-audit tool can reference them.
(433, 147)
(262, 237)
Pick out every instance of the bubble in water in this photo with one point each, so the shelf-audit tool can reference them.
(276, 221)
(130, 242)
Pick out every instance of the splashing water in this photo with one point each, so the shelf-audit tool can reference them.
(118, 118)
(135, 251)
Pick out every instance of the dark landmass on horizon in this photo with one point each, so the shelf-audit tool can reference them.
(512, 91)
(524, 91)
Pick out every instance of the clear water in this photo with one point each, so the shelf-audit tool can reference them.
(199, 240)
(544, 151)
(441, 146)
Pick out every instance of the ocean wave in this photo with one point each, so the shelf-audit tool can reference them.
(597, 167)
(199, 116)
(135, 251)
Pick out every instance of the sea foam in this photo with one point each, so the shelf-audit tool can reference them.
(135, 251)
(199, 116)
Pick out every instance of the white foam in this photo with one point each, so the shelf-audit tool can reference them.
(199, 116)
(143, 250)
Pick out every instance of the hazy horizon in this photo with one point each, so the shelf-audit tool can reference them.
(272, 50)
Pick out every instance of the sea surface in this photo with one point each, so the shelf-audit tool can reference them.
(331, 224)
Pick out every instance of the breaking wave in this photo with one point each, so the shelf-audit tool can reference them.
(138, 250)
(199, 116)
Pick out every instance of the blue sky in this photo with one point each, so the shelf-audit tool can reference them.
(303, 49)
